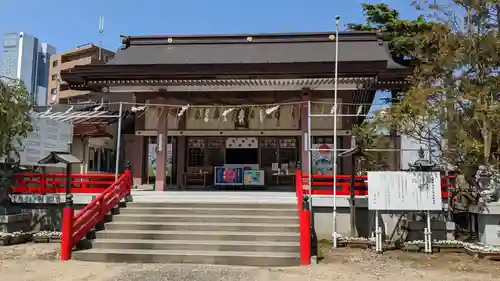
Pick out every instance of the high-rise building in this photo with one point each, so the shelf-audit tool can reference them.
(26, 58)
(59, 91)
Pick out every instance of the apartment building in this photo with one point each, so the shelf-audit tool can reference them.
(59, 91)
(26, 58)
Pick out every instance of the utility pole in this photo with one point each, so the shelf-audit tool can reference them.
(101, 33)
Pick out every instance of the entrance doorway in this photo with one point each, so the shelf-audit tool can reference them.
(243, 156)
(152, 149)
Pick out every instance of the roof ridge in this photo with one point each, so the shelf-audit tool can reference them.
(297, 37)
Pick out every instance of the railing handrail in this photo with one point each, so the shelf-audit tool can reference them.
(343, 184)
(98, 198)
(43, 183)
(75, 227)
(96, 175)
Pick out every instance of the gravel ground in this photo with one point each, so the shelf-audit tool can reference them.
(38, 262)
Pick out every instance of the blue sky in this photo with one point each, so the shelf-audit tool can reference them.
(66, 25)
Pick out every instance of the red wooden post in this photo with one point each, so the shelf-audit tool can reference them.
(305, 237)
(304, 222)
(43, 182)
(102, 209)
(67, 233)
(128, 181)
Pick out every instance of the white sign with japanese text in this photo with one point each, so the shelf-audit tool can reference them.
(404, 191)
(47, 136)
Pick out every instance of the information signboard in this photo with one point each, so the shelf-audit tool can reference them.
(404, 191)
(228, 176)
(47, 136)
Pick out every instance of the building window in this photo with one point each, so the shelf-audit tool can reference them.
(196, 153)
(288, 152)
(101, 160)
(54, 63)
(214, 152)
(268, 152)
(54, 77)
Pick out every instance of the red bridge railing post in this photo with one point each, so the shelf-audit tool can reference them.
(304, 221)
(67, 233)
(305, 237)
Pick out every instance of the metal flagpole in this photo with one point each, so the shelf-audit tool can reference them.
(101, 32)
(118, 140)
(334, 234)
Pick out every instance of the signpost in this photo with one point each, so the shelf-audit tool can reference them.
(404, 191)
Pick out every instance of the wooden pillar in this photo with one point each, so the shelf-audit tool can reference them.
(161, 156)
(138, 150)
(181, 152)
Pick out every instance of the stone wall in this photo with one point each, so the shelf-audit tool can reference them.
(37, 212)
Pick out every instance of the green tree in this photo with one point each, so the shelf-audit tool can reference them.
(452, 101)
(15, 123)
(367, 137)
(402, 35)
(405, 39)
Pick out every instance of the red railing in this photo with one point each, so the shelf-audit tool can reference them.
(323, 185)
(304, 222)
(75, 227)
(55, 183)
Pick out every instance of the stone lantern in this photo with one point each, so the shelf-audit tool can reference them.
(422, 164)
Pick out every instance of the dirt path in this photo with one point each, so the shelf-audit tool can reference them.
(38, 262)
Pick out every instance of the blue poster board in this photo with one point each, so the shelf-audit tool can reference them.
(228, 176)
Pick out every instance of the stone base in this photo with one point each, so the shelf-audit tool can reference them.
(489, 229)
(450, 230)
(488, 208)
(9, 210)
(14, 222)
(416, 230)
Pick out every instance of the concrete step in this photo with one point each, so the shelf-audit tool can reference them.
(198, 235)
(189, 226)
(214, 205)
(196, 257)
(206, 218)
(191, 245)
(212, 211)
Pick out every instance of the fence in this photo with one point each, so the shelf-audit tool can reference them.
(55, 183)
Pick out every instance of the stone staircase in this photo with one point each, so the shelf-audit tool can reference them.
(250, 234)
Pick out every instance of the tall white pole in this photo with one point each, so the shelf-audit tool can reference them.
(101, 32)
(118, 140)
(377, 234)
(334, 234)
